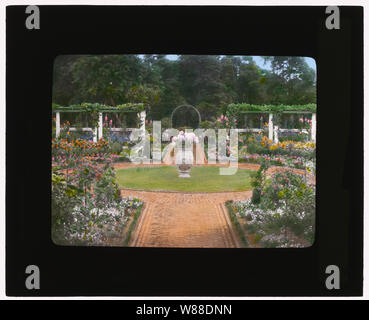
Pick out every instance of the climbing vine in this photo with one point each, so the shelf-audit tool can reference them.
(235, 109)
(93, 111)
(96, 107)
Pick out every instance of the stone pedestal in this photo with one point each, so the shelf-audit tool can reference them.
(184, 162)
(184, 170)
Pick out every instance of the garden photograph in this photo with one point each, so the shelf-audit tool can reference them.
(183, 151)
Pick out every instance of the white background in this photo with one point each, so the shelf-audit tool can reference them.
(172, 2)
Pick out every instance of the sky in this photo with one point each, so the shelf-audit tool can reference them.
(258, 60)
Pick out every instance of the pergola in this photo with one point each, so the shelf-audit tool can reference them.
(100, 110)
(234, 108)
(276, 109)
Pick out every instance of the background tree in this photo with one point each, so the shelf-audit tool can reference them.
(293, 79)
(208, 82)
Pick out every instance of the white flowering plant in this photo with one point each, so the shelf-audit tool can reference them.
(97, 225)
(87, 207)
(284, 213)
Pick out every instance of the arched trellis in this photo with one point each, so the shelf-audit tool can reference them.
(183, 106)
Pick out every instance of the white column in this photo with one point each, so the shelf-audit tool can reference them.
(313, 127)
(270, 124)
(276, 134)
(95, 134)
(57, 121)
(142, 116)
(100, 125)
(156, 145)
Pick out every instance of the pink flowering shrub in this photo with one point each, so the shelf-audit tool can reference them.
(226, 122)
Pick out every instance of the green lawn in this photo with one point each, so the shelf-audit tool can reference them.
(203, 179)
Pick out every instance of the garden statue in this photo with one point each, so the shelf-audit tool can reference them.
(195, 150)
(184, 143)
(184, 162)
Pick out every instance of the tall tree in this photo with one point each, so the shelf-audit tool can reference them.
(250, 82)
(106, 78)
(200, 79)
(208, 82)
(297, 79)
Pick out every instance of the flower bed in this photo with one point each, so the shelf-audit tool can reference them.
(277, 160)
(87, 208)
(300, 155)
(281, 212)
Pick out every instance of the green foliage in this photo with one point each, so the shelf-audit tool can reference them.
(259, 177)
(96, 107)
(257, 148)
(252, 229)
(235, 109)
(258, 182)
(116, 147)
(132, 225)
(210, 83)
(95, 78)
(63, 200)
(165, 123)
(292, 80)
(185, 116)
(236, 223)
(207, 110)
(86, 200)
(285, 210)
(143, 94)
(256, 195)
(184, 128)
(207, 124)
